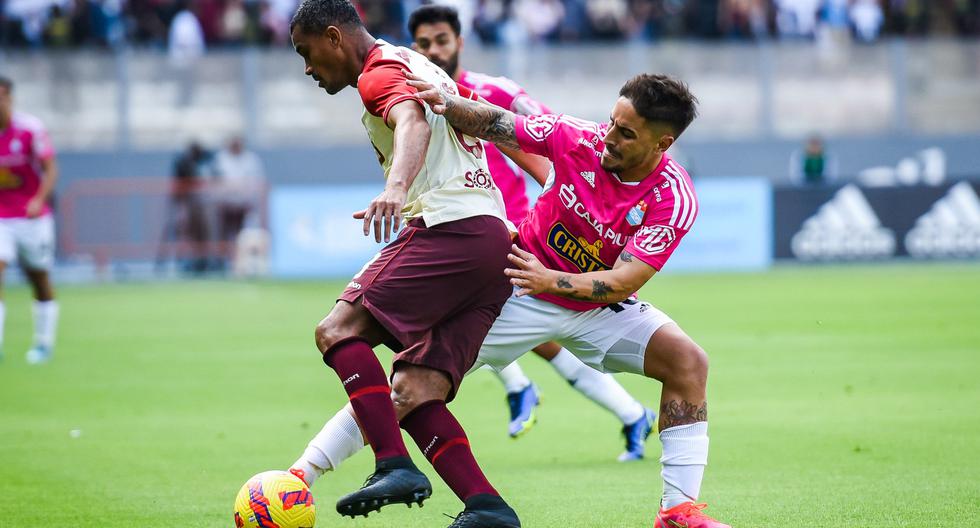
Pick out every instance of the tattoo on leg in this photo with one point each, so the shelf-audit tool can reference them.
(564, 282)
(674, 413)
(600, 291)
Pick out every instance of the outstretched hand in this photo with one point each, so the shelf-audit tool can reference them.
(385, 213)
(528, 273)
(429, 94)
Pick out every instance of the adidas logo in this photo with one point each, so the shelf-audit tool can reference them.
(951, 228)
(589, 177)
(845, 227)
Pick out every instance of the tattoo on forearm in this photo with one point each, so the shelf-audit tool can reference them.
(563, 282)
(626, 256)
(484, 121)
(674, 413)
(600, 291)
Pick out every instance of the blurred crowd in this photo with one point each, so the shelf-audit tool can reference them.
(73, 23)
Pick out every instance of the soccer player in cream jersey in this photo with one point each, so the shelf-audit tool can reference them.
(435, 30)
(431, 294)
(28, 172)
(614, 209)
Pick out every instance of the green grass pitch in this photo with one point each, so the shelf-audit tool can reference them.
(840, 396)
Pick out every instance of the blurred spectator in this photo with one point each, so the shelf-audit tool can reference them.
(234, 22)
(797, 18)
(241, 179)
(812, 165)
(185, 41)
(743, 18)
(540, 19)
(608, 19)
(102, 22)
(867, 18)
(186, 218)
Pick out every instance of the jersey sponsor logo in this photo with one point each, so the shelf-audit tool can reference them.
(478, 179)
(9, 180)
(566, 193)
(635, 215)
(656, 192)
(353, 285)
(655, 239)
(576, 249)
(540, 127)
(950, 228)
(589, 176)
(845, 227)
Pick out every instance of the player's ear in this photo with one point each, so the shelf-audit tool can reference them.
(415, 46)
(665, 142)
(459, 43)
(334, 36)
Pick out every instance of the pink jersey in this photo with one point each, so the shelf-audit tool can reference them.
(23, 145)
(509, 178)
(586, 216)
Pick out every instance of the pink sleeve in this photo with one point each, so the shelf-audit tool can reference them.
(43, 149)
(663, 230)
(548, 135)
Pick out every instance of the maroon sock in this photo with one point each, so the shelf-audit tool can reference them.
(370, 395)
(443, 442)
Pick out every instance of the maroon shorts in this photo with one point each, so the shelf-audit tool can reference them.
(437, 291)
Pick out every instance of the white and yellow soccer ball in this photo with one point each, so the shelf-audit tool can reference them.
(275, 499)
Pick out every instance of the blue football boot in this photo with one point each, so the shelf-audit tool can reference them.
(522, 405)
(636, 435)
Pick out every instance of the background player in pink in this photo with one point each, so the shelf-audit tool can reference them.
(435, 30)
(28, 172)
(613, 211)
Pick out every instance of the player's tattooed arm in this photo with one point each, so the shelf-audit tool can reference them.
(473, 118)
(608, 286)
(674, 413)
(482, 120)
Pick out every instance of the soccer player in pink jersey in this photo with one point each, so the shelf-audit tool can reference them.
(431, 294)
(614, 209)
(28, 172)
(435, 30)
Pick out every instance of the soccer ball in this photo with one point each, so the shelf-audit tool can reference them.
(275, 499)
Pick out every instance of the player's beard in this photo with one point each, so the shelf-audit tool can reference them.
(449, 65)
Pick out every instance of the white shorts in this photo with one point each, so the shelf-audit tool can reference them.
(29, 240)
(610, 339)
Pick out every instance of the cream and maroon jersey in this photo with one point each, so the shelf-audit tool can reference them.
(587, 216)
(454, 182)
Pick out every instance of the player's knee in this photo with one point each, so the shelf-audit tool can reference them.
(693, 364)
(415, 386)
(327, 334)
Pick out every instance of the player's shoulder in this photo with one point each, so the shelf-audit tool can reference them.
(28, 122)
(675, 194)
(559, 126)
(385, 54)
(485, 81)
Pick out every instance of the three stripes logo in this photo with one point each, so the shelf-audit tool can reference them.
(951, 228)
(845, 227)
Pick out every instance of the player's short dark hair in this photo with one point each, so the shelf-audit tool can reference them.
(6, 82)
(663, 99)
(433, 14)
(315, 16)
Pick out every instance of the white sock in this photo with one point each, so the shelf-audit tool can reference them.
(339, 439)
(513, 378)
(598, 387)
(684, 457)
(45, 323)
(3, 319)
